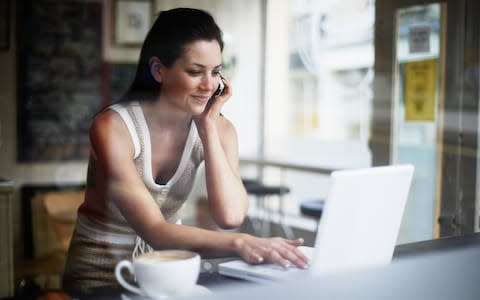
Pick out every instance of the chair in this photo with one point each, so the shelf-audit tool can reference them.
(312, 208)
(263, 193)
(59, 208)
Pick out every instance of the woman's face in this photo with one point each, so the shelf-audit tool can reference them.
(191, 81)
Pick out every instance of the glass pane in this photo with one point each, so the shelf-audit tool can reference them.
(319, 68)
(414, 138)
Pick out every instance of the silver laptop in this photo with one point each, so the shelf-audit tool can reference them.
(358, 228)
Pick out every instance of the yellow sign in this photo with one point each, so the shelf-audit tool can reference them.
(420, 89)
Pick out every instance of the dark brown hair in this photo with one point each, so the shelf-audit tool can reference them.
(171, 32)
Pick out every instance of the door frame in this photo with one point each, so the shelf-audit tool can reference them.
(457, 151)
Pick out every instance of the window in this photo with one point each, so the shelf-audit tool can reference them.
(318, 98)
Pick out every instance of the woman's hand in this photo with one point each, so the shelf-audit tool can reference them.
(277, 250)
(213, 108)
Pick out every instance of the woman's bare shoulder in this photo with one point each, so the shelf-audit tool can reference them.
(109, 130)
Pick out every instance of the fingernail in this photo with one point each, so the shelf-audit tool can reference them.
(260, 259)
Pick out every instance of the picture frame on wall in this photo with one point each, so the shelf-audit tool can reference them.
(4, 25)
(132, 21)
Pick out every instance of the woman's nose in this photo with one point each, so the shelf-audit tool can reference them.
(207, 82)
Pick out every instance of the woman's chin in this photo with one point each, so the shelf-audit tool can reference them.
(197, 111)
(197, 108)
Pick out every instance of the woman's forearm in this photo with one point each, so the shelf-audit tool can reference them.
(227, 198)
(206, 242)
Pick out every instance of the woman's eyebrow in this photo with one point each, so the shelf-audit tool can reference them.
(203, 66)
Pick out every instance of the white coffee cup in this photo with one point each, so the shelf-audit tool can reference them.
(162, 273)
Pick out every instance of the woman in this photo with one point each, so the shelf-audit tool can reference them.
(146, 150)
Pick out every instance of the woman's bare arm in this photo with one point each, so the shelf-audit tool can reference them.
(114, 151)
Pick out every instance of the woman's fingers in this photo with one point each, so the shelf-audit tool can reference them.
(292, 254)
(214, 105)
(227, 90)
(276, 250)
(297, 258)
(225, 95)
(297, 242)
(253, 256)
(275, 257)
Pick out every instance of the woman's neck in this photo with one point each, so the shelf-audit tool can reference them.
(159, 115)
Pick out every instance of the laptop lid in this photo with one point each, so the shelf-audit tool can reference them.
(358, 228)
(361, 218)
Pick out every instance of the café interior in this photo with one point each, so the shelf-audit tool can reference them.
(318, 86)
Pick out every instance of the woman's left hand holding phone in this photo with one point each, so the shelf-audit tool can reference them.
(214, 105)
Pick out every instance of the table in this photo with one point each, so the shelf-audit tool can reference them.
(452, 274)
(446, 268)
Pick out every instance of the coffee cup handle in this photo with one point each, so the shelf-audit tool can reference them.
(118, 274)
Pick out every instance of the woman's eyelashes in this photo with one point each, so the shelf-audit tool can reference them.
(196, 73)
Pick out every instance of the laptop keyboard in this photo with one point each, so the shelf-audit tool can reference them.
(277, 267)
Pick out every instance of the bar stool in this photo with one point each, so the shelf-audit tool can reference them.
(313, 208)
(264, 193)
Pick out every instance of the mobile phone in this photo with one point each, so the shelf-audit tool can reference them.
(220, 88)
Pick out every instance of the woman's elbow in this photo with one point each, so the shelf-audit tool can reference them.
(230, 221)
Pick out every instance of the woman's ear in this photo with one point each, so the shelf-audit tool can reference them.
(155, 68)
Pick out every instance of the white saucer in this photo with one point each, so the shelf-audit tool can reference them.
(197, 290)
(134, 297)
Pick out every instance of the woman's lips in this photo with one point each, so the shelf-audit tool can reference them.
(201, 99)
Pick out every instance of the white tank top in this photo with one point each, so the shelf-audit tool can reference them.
(169, 197)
